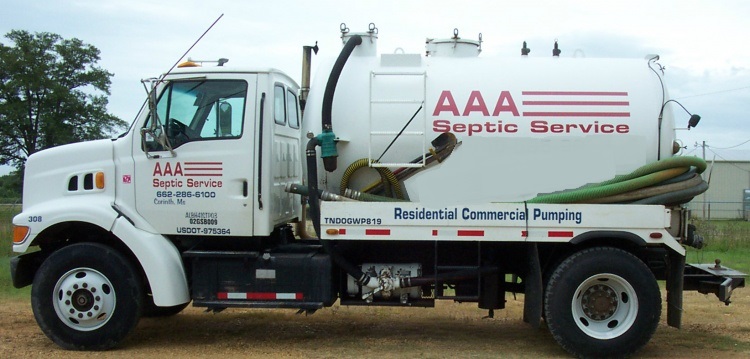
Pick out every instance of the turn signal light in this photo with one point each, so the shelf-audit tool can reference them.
(100, 180)
(19, 234)
(332, 231)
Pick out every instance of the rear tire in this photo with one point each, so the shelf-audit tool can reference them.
(86, 297)
(602, 302)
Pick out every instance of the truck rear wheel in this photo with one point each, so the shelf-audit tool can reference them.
(602, 302)
(86, 297)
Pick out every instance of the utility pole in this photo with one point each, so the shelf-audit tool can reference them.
(705, 194)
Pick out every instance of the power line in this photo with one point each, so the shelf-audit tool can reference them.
(713, 93)
(726, 148)
(728, 161)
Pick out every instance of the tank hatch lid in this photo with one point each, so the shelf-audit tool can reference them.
(453, 47)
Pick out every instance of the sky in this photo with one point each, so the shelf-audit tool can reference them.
(702, 44)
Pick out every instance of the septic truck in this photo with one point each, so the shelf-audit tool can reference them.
(410, 178)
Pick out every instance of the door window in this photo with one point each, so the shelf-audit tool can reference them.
(291, 109)
(198, 110)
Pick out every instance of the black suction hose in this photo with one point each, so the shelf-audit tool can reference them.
(327, 138)
(333, 79)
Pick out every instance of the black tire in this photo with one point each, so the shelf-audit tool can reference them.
(602, 302)
(86, 297)
(150, 310)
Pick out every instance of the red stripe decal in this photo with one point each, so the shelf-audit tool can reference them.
(524, 233)
(558, 234)
(299, 296)
(575, 93)
(576, 103)
(378, 232)
(576, 114)
(342, 231)
(434, 232)
(470, 233)
(221, 295)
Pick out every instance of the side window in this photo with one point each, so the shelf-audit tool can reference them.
(198, 110)
(291, 109)
(279, 106)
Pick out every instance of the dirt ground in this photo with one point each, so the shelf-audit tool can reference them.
(710, 330)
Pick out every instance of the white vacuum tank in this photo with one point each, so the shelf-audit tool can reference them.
(524, 125)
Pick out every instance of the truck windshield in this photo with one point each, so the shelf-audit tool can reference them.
(200, 110)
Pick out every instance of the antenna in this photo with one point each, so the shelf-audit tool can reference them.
(191, 47)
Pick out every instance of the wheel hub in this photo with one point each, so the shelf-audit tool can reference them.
(599, 302)
(84, 299)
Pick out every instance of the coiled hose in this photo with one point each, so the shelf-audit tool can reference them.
(385, 174)
(669, 181)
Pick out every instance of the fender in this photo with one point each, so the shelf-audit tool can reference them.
(159, 259)
(96, 210)
(635, 237)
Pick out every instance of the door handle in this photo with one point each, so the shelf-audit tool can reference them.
(244, 188)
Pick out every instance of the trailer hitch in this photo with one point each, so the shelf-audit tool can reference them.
(713, 278)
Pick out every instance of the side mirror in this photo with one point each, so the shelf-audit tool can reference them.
(225, 119)
(694, 119)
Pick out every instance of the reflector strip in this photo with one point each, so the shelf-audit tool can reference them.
(260, 296)
(342, 231)
(470, 233)
(378, 232)
(557, 234)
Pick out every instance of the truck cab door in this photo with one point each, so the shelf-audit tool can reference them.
(194, 170)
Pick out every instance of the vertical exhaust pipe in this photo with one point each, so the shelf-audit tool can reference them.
(306, 61)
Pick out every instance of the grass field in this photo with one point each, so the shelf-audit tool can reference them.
(726, 240)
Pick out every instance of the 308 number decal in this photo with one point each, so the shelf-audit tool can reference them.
(35, 219)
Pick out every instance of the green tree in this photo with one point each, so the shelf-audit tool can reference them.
(51, 93)
(10, 186)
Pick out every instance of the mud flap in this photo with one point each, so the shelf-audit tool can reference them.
(675, 278)
(532, 303)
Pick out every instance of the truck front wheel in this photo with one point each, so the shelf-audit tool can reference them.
(86, 297)
(602, 302)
